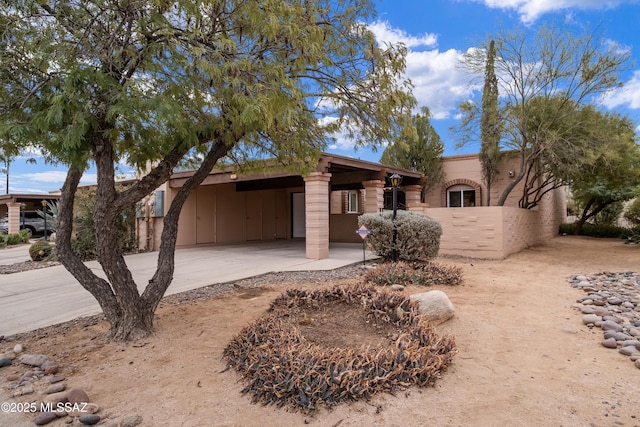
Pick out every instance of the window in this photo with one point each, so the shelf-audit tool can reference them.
(352, 202)
(461, 196)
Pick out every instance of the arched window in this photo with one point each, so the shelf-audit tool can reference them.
(461, 196)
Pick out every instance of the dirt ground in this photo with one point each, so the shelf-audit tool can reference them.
(525, 358)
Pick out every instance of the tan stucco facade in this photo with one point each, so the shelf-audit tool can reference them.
(324, 206)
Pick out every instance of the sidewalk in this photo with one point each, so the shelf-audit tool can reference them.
(48, 296)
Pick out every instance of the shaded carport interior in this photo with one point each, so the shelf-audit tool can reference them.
(231, 207)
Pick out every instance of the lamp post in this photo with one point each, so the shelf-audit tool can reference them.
(44, 210)
(395, 183)
(23, 206)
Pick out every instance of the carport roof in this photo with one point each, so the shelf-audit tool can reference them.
(346, 173)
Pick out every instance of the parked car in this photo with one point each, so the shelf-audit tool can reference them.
(31, 221)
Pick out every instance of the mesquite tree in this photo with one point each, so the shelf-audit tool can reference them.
(542, 65)
(151, 83)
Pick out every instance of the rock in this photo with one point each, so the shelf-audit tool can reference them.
(12, 377)
(588, 310)
(4, 361)
(55, 388)
(590, 318)
(51, 370)
(397, 287)
(614, 301)
(92, 408)
(434, 305)
(77, 395)
(634, 332)
(18, 348)
(609, 325)
(89, 419)
(33, 359)
(54, 379)
(638, 363)
(629, 350)
(131, 421)
(44, 418)
(610, 343)
(56, 397)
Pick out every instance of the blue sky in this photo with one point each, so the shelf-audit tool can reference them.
(437, 33)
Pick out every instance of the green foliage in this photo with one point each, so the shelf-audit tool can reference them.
(421, 152)
(593, 230)
(610, 214)
(632, 214)
(154, 84)
(418, 236)
(40, 250)
(414, 273)
(13, 239)
(25, 235)
(83, 242)
(490, 124)
(541, 109)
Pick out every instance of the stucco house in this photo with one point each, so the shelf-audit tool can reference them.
(323, 207)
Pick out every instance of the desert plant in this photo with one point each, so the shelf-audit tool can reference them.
(13, 239)
(632, 214)
(418, 235)
(25, 235)
(596, 230)
(414, 273)
(40, 250)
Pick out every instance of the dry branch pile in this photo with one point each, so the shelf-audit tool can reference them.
(284, 368)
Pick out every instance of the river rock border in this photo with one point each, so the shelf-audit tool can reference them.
(38, 386)
(612, 303)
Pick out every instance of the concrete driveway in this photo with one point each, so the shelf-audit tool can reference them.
(48, 296)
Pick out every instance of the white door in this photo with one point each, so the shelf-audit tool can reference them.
(298, 215)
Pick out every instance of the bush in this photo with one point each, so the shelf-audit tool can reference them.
(414, 273)
(13, 239)
(418, 236)
(632, 214)
(25, 235)
(40, 250)
(592, 230)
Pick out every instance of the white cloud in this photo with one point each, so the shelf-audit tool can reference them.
(530, 10)
(439, 82)
(384, 32)
(626, 96)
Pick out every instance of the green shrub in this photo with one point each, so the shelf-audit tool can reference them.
(14, 239)
(418, 235)
(632, 214)
(25, 235)
(414, 273)
(592, 230)
(40, 250)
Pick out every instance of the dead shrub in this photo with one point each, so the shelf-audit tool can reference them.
(284, 368)
(414, 273)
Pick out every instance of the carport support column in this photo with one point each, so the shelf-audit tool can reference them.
(374, 196)
(316, 188)
(412, 196)
(13, 210)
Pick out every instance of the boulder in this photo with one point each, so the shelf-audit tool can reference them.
(434, 305)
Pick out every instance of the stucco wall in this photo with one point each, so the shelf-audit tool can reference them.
(497, 232)
(342, 228)
(466, 169)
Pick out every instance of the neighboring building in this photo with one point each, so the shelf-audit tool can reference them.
(324, 206)
(13, 207)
